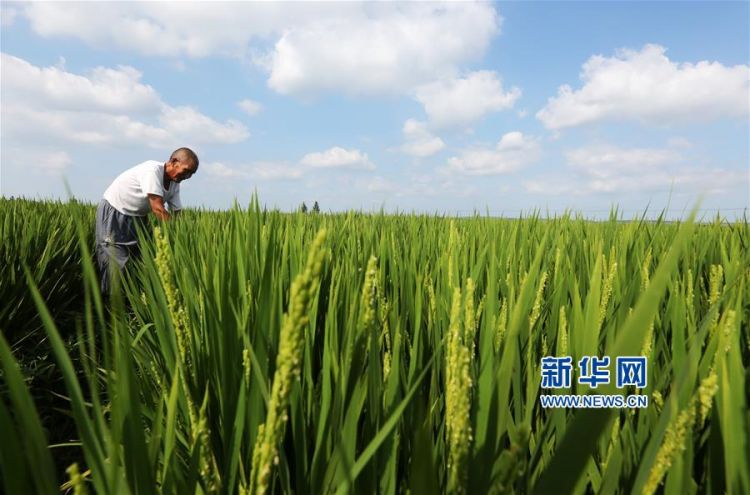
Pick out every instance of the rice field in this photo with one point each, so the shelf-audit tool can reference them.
(256, 351)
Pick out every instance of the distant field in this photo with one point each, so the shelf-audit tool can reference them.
(257, 351)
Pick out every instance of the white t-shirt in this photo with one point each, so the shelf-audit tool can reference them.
(129, 192)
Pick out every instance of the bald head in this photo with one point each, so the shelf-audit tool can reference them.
(182, 164)
(185, 155)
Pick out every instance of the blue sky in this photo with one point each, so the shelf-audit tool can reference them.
(421, 106)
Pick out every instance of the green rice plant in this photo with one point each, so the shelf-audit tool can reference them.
(288, 364)
(244, 354)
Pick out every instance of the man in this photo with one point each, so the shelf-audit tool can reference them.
(143, 189)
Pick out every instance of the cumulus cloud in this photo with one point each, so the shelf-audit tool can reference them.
(613, 169)
(605, 161)
(57, 161)
(276, 171)
(462, 101)
(338, 157)
(250, 107)
(219, 169)
(419, 141)
(106, 106)
(647, 86)
(109, 90)
(188, 123)
(335, 158)
(389, 47)
(692, 180)
(258, 171)
(417, 186)
(381, 184)
(513, 152)
(160, 28)
(48, 161)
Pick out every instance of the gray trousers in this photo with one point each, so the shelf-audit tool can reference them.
(116, 242)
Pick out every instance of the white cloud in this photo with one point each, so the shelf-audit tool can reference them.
(605, 161)
(381, 48)
(258, 171)
(187, 123)
(461, 101)
(333, 158)
(157, 28)
(380, 184)
(218, 169)
(419, 141)
(355, 47)
(250, 107)
(276, 171)
(436, 186)
(417, 186)
(611, 169)
(104, 89)
(106, 106)
(338, 157)
(57, 161)
(513, 152)
(646, 86)
(44, 160)
(688, 180)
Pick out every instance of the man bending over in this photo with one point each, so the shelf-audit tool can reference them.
(146, 188)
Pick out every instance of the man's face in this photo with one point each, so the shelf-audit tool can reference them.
(182, 169)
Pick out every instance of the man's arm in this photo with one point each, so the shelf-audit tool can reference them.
(157, 206)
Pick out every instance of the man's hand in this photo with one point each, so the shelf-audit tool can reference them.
(157, 206)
